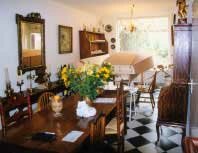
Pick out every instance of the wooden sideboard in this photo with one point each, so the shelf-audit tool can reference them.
(55, 87)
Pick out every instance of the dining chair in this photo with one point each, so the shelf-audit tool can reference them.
(97, 129)
(116, 125)
(150, 90)
(44, 100)
(16, 110)
(132, 91)
(97, 132)
(172, 108)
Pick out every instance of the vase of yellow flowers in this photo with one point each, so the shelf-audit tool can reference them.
(87, 79)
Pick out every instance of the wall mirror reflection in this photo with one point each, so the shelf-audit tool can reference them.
(31, 42)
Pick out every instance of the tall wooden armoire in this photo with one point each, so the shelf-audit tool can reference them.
(173, 99)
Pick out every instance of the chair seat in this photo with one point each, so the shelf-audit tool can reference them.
(111, 127)
(142, 89)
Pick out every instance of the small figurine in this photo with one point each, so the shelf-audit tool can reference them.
(182, 11)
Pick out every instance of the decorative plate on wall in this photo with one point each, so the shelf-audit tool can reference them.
(108, 28)
(112, 46)
(113, 40)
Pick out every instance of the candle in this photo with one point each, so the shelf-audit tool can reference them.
(48, 68)
(20, 75)
(17, 77)
(7, 79)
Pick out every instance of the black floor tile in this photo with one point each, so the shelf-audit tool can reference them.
(166, 144)
(145, 121)
(138, 141)
(142, 129)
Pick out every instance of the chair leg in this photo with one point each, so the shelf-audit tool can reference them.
(120, 148)
(158, 133)
(152, 101)
(123, 144)
(134, 104)
(138, 97)
(119, 145)
(130, 108)
(183, 135)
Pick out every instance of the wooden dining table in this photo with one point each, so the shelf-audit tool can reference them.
(45, 121)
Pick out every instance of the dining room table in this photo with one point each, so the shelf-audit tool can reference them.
(44, 121)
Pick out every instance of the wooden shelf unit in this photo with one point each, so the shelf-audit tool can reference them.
(92, 44)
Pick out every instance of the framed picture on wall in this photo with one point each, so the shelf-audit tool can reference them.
(65, 39)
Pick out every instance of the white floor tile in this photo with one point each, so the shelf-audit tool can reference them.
(128, 146)
(176, 138)
(138, 116)
(152, 136)
(151, 126)
(131, 134)
(178, 130)
(175, 150)
(150, 148)
(133, 124)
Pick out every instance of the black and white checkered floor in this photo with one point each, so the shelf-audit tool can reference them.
(141, 133)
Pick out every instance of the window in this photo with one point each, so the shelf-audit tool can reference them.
(151, 36)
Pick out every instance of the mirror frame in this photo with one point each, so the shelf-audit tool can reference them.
(19, 20)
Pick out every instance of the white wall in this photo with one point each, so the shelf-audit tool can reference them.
(54, 14)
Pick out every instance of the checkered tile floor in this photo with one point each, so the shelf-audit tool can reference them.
(141, 133)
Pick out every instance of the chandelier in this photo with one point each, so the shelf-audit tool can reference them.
(132, 27)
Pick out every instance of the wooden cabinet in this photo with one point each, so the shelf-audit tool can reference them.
(92, 44)
(173, 99)
(182, 53)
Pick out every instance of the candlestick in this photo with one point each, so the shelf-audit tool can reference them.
(20, 83)
(8, 91)
(30, 77)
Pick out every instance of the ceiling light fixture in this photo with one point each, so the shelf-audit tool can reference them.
(132, 26)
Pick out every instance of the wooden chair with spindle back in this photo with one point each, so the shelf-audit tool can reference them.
(150, 90)
(44, 100)
(23, 111)
(116, 125)
(97, 132)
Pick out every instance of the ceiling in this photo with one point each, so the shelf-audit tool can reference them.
(121, 7)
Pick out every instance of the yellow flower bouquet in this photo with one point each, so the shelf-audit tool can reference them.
(85, 80)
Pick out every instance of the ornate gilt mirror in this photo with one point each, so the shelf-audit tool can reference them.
(31, 42)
